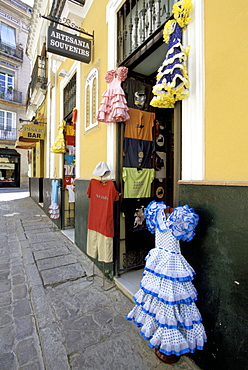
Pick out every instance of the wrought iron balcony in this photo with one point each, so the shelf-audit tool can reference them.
(11, 94)
(9, 134)
(138, 20)
(38, 78)
(16, 52)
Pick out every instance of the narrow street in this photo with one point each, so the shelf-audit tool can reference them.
(52, 314)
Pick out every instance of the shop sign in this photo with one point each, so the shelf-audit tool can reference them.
(7, 166)
(32, 131)
(68, 45)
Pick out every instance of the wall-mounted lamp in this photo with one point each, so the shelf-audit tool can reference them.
(63, 73)
(24, 120)
(31, 121)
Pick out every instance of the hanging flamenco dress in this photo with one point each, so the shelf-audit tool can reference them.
(59, 144)
(114, 107)
(165, 306)
(172, 82)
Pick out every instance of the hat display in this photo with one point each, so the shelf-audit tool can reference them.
(101, 169)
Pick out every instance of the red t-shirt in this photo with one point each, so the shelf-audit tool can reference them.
(102, 197)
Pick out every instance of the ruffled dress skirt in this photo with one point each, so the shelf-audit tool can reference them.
(113, 107)
(165, 306)
(172, 78)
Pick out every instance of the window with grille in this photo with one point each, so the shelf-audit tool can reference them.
(91, 99)
(70, 96)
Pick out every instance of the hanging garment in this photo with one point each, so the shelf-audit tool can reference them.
(101, 169)
(68, 180)
(138, 153)
(71, 149)
(54, 211)
(137, 182)
(69, 159)
(102, 197)
(99, 246)
(55, 191)
(134, 88)
(165, 303)
(71, 192)
(137, 236)
(70, 140)
(139, 125)
(69, 130)
(114, 105)
(74, 117)
(59, 145)
(69, 168)
(172, 79)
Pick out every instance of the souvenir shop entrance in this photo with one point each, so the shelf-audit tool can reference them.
(155, 156)
(68, 195)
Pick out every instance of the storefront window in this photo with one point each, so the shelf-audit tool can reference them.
(9, 168)
(91, 99)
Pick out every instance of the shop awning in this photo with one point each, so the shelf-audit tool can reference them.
(9, 152)
(24, 145)
(25, 140)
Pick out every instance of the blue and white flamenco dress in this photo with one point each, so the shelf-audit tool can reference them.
(165, 306)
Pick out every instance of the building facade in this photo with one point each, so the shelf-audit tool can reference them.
(198, 157)
(14, 77)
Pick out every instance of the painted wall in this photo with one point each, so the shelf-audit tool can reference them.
(226, 108)
(93, 144)
(219, 255)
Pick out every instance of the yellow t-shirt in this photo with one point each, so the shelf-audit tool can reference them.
(137, 182)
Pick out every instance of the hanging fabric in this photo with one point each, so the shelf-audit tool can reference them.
(139, 125)
(54, 209)
(59, 145)
(101, 219)
(74, 116)
(172, 82)
(114, 105)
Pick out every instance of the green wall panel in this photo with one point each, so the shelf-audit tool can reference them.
(219, 255)
(81, 214)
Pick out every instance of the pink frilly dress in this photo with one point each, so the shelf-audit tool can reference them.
(114, 107)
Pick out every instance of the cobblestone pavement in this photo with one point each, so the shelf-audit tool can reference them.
(51, 316)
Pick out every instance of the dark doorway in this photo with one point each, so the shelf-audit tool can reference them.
(9, 168)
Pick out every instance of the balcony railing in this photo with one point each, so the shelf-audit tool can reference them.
(10, 94)
(38, 77)
(138, 20)
(16, 52)
(8, 134)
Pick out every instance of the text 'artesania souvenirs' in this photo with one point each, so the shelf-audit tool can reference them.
(68, 45)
